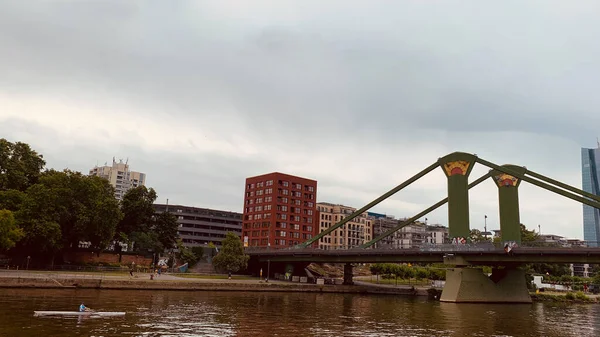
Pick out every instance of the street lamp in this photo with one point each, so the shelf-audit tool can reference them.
(485, 226)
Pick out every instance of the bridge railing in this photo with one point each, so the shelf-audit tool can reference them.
(433, 247)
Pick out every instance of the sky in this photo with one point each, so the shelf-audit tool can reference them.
(358, 95)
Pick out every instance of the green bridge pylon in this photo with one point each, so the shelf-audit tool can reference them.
(457, 166)
(508, 202)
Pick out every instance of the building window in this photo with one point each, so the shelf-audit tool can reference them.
(268, 199)
(270, 183)
(269, 191)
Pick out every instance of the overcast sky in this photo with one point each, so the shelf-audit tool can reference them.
(358, 95)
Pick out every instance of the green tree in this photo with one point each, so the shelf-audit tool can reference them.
(528, 235)
(186, 255)
(83, 207)
(9, 232)
(137, 207)
(11, 199)
(477, 236)
(231, 256)
(20, 166)
(38, 218)
(165, 226)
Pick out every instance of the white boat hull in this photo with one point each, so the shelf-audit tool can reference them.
(78, 313)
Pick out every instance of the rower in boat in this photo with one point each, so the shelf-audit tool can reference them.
(83, 308)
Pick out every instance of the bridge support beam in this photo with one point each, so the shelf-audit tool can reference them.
(471, 285)
(508, 200)
(348, 274)
(457, 166)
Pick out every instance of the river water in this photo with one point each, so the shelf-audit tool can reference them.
(201, 313)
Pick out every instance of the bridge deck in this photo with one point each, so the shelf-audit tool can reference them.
(474, 255)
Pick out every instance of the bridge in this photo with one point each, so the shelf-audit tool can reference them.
(464, 283)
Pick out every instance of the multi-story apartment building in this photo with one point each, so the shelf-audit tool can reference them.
(200, 226)
(411, 235)
(120, 177)
(352, 234)
(590, 173)
(437, 234)
(279, 210)
(382, 223)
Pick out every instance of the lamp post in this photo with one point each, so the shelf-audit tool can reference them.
(485, 226)
(268, 249)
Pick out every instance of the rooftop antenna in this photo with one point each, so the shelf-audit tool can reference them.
(598, 142)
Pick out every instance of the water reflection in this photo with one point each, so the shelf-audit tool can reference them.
(281, 314)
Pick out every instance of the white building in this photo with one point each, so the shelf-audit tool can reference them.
(120, 177)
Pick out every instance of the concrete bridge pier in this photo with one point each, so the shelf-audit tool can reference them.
(348, 274)
(471, 285)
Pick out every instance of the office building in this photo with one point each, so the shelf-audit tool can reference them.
(120, 177)
(201, 226)
(590, 169)
(279, 210)
(352, 234)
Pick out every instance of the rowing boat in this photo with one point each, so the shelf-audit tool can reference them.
(78, 313)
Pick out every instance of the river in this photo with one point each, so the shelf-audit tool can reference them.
(178, 314)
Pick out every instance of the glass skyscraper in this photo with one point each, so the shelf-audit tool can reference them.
(590, 165)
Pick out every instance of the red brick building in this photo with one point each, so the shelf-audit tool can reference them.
(279, 210)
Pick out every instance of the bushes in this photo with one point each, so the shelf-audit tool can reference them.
(402, 271)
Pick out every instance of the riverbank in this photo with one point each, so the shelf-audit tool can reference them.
(197, 285)
(568, 297)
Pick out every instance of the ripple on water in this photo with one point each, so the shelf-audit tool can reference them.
(183, 314)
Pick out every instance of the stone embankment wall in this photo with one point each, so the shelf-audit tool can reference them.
(225, 285)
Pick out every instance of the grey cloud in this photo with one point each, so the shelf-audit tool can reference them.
(492, 79)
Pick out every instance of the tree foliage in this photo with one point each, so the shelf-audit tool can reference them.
(477, 236)
(141, 226)
(11, 199)
(165, 226)
(138, 210)
(191, 256)
(528, 235)
(231, 256)
(20, 166)
(83, 208)
(403, 271)
(9, 232)
(50, 210)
